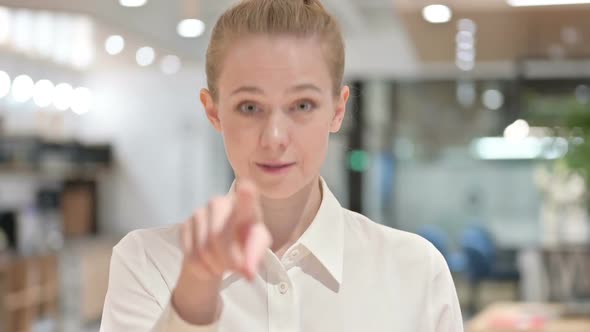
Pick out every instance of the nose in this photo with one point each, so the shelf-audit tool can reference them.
(275, 132)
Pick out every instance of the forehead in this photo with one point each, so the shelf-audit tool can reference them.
(274, 63)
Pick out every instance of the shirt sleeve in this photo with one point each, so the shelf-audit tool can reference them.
(130, 306)
(444, 303)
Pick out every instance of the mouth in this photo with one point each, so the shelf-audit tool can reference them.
(275, 168)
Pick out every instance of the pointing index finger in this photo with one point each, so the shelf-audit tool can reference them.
(246, 203)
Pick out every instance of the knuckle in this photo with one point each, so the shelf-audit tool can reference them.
(196, 216)
(215, 202)
(209, 245)
(185, 228)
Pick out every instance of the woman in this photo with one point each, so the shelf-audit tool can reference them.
(278, 252)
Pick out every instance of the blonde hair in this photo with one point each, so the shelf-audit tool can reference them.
(300, 18)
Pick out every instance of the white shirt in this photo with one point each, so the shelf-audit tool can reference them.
(346, 274)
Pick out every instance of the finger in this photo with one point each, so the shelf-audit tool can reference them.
(246, 203)
(238, 256)
(203, 253)
(258, 240)
(220, 232)
(186, 237)
(199, 230)
(189, 238)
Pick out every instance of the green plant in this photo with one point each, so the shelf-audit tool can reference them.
(569, 119)
(578, 156)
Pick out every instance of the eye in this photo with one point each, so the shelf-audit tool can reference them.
(305, 106)
(248, 108)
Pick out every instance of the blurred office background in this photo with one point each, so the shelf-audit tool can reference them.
(469, 124)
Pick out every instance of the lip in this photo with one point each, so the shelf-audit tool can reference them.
(275, 167)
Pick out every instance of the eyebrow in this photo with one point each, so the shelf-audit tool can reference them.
(256, 90)
(251, 89)
(307, 86)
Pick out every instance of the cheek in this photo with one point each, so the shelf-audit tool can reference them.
(237, 155)
(314, 143)
(238, 141)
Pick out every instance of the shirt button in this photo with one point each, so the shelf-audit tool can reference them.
(294, 253)
(283, 287)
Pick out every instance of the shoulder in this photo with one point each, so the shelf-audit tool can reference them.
(152, 250)
(142, 240)
(390, 244)
(149, 259)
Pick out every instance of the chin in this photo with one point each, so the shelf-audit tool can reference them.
(281, 189)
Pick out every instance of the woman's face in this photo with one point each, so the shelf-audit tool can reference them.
(275, 110)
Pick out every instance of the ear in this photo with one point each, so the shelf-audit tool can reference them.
(210, 109)
(340, 110)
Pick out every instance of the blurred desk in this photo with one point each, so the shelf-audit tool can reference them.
(85, 273)
(518, 317)
(28, 290)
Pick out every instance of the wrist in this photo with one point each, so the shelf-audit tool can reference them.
(196, 301)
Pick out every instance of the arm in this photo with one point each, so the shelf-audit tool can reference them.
(130, 305)
(444, 304)
(228, 235)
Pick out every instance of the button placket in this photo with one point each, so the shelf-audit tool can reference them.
(282, 307)
(283, 287)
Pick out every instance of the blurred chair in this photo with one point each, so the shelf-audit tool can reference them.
(435, 235)
(482, 263)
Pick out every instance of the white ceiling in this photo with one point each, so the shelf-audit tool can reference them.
(380, 37)
(156, 21)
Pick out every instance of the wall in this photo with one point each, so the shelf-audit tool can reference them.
(168, 159)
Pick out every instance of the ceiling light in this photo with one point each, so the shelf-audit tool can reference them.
(5, 24)
(468, 25)
(43, 93)
(465, 65)
(190, 28)
(114, 44)
(22, 88)
(145, 56)
(44, 40)
(467, 56)
(493, 99)
(132, 3)
(170, 64)
(466, 93)
(61, 50)
(437, 13)
(22, 30)
(499, 148)
(465, 47)
(63, 96)
(519, 130)
(464, 37)
(82, 52)
(81, 101)
(530, 3)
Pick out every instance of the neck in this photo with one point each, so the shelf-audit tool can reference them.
(287, 219)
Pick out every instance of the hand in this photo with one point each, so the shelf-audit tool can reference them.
(227, 235)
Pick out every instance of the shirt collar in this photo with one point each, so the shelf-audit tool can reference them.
(324, 237)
